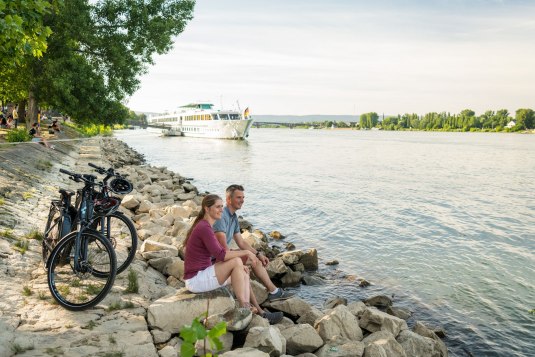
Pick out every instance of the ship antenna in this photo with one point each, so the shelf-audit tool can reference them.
(238, 102)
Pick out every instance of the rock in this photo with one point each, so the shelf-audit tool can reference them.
(276, 235)
(294, 306)
(381, 344)
(237, 319)
(363, 282)
(185, 196)
(334, 302)
(266, 339)
(130, 202)
(291, 278)
(172, 312)
(175, 283)
(276, 268)
(332, 262)
(289, 246)
(160, 263)
(168, 351)
(227, 339)
(340, 322)
(291, 258)
(160, 336)
(415, 345)
(245, 225)
(157, 254)
(399, 312)
(245, 352)
(144, 207)
(379, 301)
(259, 291)
(374, 320)
(188, 187)
(311, 317)
(357, 308)
(151, 246)
(422, 330)
(348, 349)
(298, 267)
(301, 338)
(255, 240)
(310, 259)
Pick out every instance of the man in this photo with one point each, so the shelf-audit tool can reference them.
(228, 228)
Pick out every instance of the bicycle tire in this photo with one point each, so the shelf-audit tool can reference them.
(122, 234)
(80, 290)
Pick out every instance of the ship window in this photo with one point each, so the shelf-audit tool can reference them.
(223, 116)
(214, 116)
(234, 116)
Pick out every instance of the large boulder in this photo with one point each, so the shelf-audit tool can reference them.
(266, 339)
(348, 349)
(382, 344)
(295, 306)
(422, 330)
(301, 338)
(151, 246)
(415, 345)
(310, 259)
(374, 320)
(339, 323)
(172, 312)
(276, 268)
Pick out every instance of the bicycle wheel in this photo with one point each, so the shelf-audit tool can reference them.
(79, 289)
(122, 234)
(52, 231)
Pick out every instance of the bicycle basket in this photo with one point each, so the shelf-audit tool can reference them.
(106, 206)
(120, 186)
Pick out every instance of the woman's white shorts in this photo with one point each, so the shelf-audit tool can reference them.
(205, 280)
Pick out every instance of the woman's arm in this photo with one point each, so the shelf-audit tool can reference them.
(230, 254)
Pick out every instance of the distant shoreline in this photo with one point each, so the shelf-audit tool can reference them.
(412, 130)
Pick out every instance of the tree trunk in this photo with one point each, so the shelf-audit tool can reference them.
(32, 109)
(21, 112)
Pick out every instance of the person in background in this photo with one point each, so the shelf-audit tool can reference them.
(228, 228)
(35, 133)
(200, 275)
(16, 116)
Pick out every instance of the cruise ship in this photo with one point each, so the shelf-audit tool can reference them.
(201, 120)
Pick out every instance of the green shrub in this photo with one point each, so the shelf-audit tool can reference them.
(18, 135)
(21, 245)
(196, 331)
(2, 201)
(43, 165)
(133, 285)
(91, 129)
(115, 306)
(35, 234)
(27, 291)
(16, 348)
(7, 233)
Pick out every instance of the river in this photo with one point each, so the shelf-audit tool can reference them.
(444, 222)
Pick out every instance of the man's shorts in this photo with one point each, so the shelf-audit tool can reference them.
(205, 280)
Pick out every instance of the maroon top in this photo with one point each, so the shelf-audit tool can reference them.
(201, 247)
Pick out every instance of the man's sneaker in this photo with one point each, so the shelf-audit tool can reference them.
(273, 317)
(280, 295)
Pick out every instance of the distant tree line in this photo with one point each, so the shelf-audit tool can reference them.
(466, 120)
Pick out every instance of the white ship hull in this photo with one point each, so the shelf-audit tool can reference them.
(200, 120)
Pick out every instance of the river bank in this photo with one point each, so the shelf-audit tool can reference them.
(145, 323)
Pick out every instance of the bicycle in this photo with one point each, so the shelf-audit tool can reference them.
(82, 265)
(117, 227)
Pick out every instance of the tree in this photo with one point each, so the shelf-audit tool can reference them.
(525, 119)
(97, 51)
(368, 120)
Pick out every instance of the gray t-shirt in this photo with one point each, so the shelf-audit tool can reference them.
(228, 224)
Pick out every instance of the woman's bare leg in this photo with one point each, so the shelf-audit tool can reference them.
(233, 268)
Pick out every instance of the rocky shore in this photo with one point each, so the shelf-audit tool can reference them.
(146, 320)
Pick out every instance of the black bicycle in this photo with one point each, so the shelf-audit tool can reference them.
(81, 265)
(115, 226)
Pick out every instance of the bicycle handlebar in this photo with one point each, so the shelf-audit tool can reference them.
(79, 177)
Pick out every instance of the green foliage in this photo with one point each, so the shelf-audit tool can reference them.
(91, 129)
(525, 119)
(21, 246)
(27, 195)
(43, 165)
(17, 135)
(90, 325)
(196, 331)
(112, 339)
(369, 120)
(133, 285)
(7, 233)
(532, 311)
(16, 348)
(26, 291)
(2, 201)
(41, 295)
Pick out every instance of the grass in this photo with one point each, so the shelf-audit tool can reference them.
(133, 285)
(75, 283)
(7, 233)
(90, 325)
(128, 305)
(43, 165)
(16, 348)
(27, 195)
(27, 291)
(56, 351)
(17, 135)
(2, 201)
(91, 130)
(112, 340)
(64, 290)
(114, 354)
(41, 295)
(93, 289)
(21, 245)
(35, 234)
(115, 306)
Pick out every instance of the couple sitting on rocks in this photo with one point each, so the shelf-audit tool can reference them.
(210, 264)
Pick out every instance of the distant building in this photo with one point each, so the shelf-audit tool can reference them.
(510, 124)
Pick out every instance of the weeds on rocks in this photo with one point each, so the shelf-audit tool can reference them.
(27, 291)
(2, 201)
(114, 354)
(90, 325)
(7, 233)
(128, 305)
(54, 352)
(112, 340)
(27, 195)
(43, 165)
(35, 234)
(115, 306)
(16, 348)
(133, 285)
(21, 245)
(41, 295)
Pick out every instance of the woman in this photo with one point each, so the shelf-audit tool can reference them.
(201, 245)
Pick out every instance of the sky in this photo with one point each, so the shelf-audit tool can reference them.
(347, 57)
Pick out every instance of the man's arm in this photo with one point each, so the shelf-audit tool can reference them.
(242, 243)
